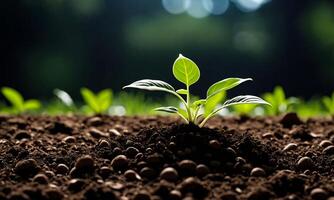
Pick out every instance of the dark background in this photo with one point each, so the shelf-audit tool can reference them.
(67, 44)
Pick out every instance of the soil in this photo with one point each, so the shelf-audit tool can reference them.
(142, 158)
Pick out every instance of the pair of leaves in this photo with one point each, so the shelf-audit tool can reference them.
(98, 103)
(17, 101)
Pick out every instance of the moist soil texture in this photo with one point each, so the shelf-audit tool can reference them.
(161, 158)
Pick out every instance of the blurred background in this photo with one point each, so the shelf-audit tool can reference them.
(69, 44)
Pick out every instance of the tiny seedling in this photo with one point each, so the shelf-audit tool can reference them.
(328, 102)
(187, 72)
(19, 105)
(280, 104)
(97, 103)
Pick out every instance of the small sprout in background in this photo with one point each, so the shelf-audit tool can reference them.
(328, 102)
(18, 104)
(63, 104)
(96, 103)
(245, 109)
(187, 72)
(307, 109)
(280, 104)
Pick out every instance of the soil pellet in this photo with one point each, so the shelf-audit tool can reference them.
(169, 174)
(258, 172)
(75, 185)
(215, 144)
(148, 173)
(41, 179)
(85, 163)
(290, 147)
(318, 194)
(202, 170)
(175, 195)
(325, 143)
(188, 165)
(26, 168)
(131, 175)
(69, 139)
(62, 169)
(120, 162)
(305, 163)
(329, 150)
(131, 152)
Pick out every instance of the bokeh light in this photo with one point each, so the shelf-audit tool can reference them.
(175, 6)
(216, 7)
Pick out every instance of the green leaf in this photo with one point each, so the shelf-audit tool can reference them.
(185, 70)
(168, 109)
(64, 97)
(224, 85)
(183, 114)
(245, 99)
(182, 91)
(199, 102)
(279, 95)
(14, 97)
(152, 85)
(90, 99)
(32, 104)
(105, 99)
(212, 102)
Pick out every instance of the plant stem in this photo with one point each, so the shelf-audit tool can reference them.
(188, 105)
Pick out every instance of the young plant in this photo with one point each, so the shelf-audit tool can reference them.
(187, 72)
(280, 104)
(19, 105)
(97, 103)
(328, 102)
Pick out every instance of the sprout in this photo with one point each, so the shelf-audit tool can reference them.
(19, 105)
(187, 72)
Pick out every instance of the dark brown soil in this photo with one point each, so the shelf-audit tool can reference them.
(144, 158)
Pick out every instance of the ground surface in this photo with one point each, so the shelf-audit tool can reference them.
(160, 158)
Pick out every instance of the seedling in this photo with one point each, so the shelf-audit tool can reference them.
(187, 72)
(97, 103)
(280, 104)
(328, 102)
(19, 105)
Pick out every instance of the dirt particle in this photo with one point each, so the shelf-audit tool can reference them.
(131, 175)
(142, 195)
(148, 173)
(41, 179)
(54, 194)
(318, 194)
(104, 144)
(202, 170)
(69, 139)
(187, 167)
(94, 121)
(290, 147)
(131, 152)
(105, 171)
(325, 143)
(22, 135)
(75, 185)
(257, 172)
(290, 119)
(329, 150)
(175, 195)
(85, 163)
(62, 169)
(228, 196)
(120, 162)
(169, 174)
(192, 185)
(305, 163)
(259, 194)
(214, 144)
(26, 168)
